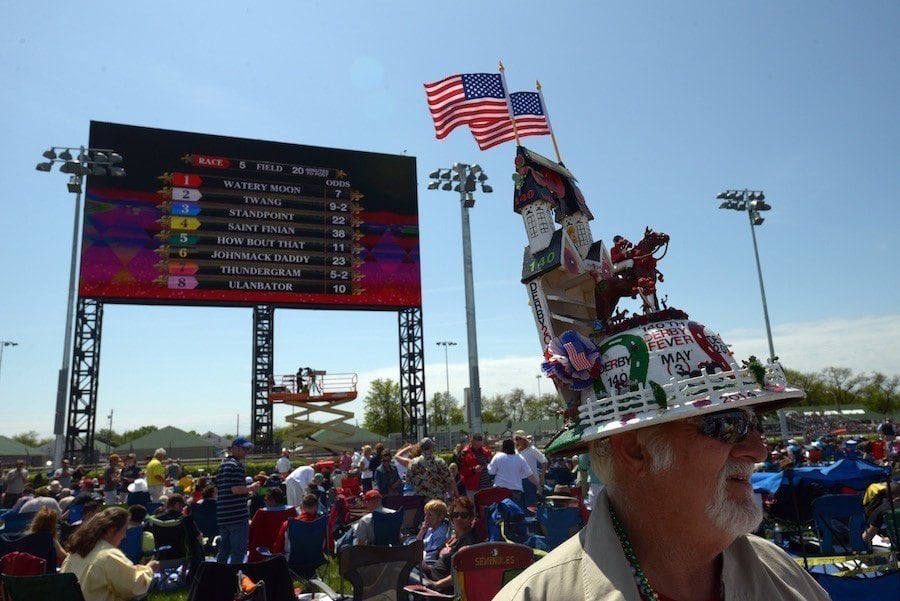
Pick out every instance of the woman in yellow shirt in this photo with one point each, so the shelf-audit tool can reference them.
(103, 571)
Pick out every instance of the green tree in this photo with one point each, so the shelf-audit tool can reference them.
(129, 435)
(443, 410)
(382, 407)
(515, 405)
(105, 435)
(32, 439)
(881, 394)
(813, 384)
(547, 406)
(493, 409)
(842, 386)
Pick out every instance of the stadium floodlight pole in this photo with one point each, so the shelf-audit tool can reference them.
(752, 201)
(539, 376)
(467, 177)
(4, 344)
(446, 344)
(96, 161)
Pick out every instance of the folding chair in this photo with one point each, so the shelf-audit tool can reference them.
(558, 524)
(204, 515)
(483, 500)
(15, 523)
(174, 556)
(264, 528)
(379, 572)
(834, 512)
(133, 543)
(892, 526)
(350, 487)
(59, 587)
(216, 581)
(39, 544)
(387, 528)
(481, 570)
(21, 564)
(413, 508)
(515, 523)
(76, 513)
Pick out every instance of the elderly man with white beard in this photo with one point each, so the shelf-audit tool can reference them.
(675, 441)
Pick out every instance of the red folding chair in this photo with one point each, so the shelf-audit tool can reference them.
(483, 499)
(264, 528)
(350, 487)
(480, 571)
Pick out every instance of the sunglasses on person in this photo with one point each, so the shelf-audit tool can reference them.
(730, 427)
(460, 514)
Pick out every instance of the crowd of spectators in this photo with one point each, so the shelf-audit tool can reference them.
(89, 517)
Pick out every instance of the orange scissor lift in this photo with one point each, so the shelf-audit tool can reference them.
(319, 393)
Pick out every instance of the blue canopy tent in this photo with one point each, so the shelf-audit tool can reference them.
(854, 473)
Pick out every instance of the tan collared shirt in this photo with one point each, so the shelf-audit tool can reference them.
(591, 565)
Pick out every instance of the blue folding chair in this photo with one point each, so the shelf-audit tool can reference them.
(307, 545)
(558, 523)
(76, 513)
(387, 528)
(204, 515)
(841, 517)
(132, 544)
(15, 523)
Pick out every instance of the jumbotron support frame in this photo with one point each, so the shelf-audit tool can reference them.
(263, 358)
(82, 410)
(412, 375)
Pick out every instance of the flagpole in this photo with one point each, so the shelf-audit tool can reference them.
(547, 116)
(512, 117)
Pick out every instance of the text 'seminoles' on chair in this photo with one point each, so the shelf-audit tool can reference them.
(380, 572)
(481, 570)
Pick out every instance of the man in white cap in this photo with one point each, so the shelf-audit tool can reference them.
(671, 426)
(535, 460)
(283, 465)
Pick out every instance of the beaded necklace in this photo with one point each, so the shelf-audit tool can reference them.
(643, 584)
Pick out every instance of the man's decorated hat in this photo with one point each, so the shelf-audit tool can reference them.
(617, 372)
(661, 367)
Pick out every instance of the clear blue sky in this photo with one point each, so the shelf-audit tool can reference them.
(657, 107)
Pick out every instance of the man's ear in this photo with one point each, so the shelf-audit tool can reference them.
(630, 454)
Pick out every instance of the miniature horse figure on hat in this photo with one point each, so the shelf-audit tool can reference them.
(639, 279)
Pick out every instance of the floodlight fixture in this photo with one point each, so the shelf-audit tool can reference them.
(65, 155)
(433, 185)
(44, 166)
(447, 186)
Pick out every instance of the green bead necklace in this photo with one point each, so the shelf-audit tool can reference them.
(643, 584)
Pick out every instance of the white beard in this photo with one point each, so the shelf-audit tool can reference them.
(734, 517)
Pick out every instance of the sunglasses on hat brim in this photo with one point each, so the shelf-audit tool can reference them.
(730, 427)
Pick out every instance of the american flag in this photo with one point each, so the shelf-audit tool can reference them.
(466, 98)
(577, 357)
(530, 121)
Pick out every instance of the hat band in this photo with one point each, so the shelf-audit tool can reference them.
(699, 391)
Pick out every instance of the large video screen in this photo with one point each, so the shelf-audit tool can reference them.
(203, 219)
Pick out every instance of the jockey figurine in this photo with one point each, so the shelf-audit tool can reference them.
(620, 254)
